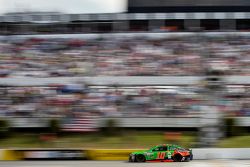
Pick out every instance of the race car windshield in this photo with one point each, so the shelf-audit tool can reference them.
(154, 149)
(160, 148)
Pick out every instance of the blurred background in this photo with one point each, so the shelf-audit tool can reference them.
(124, 73)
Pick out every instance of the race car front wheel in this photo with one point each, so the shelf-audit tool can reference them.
(177, 158)
(187, 159)
(140, 158)
(130, 159)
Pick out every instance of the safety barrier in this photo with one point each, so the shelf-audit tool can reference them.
(43, 154)
(1, 155)
(10, 155)
(109, 154)
(199, 154)
(113, 154)
(221, 153)
(57, 154)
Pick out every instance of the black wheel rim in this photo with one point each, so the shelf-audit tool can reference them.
(140, 158)
(177, 158)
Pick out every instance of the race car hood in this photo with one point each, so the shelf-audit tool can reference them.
(139, 152)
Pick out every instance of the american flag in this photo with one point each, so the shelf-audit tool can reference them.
(81, 124)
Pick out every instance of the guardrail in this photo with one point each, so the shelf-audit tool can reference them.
(113, 154)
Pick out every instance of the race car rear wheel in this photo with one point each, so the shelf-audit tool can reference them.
(177, 158)
(140, 158)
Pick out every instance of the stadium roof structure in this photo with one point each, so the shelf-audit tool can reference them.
(59, 17)
(151, 6)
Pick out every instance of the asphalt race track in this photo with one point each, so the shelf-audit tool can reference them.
(211, 163)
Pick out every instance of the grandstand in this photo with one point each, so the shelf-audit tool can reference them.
(133, 69)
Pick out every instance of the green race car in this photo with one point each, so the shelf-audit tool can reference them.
(162, 153)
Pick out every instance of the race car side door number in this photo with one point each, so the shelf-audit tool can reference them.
(161, 155)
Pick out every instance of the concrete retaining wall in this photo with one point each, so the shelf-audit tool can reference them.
(221, 153)
(115, 154)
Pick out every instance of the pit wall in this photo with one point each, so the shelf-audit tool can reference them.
(112, 154)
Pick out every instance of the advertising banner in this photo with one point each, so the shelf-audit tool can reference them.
(1, 155)
(109, 154)
(54, 154)
(11, 155)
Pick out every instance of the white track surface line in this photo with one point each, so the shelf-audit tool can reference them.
(220, 163)
(211, 163)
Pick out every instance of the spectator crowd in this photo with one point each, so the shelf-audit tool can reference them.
(113, 57)
(118, 57)
(74, 100)
(123, 57)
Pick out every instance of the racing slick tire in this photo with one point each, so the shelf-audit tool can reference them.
(177, 158)
(140, 158)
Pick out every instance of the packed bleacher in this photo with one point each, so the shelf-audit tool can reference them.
(78, 106)
(73, 100)
(123, 57)
(106, 57)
